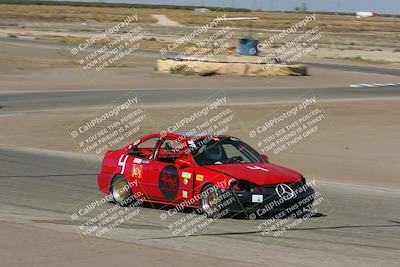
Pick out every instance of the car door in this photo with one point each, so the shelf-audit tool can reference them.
(170, 182)
(138, 167)
(158, 174)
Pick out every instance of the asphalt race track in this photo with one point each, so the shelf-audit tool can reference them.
(39, 186)
(45, 101)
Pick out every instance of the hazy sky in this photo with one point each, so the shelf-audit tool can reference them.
(379, 6)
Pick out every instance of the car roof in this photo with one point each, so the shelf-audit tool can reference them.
(186, 136)
(197, 136)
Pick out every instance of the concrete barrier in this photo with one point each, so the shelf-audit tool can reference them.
(207, 68)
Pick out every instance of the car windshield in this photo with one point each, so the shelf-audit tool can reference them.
(216, 151)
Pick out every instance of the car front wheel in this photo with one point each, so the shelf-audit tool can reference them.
(210, 200)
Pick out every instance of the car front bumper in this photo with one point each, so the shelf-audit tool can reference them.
(266, 202)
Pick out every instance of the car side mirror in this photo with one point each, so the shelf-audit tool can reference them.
(184, 162)
(265, 158)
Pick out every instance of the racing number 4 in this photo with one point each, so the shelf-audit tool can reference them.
(122, 162)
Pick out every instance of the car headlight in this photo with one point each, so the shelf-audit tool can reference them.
(243, 186)
(234, 186)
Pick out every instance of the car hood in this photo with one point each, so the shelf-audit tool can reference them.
(258, 173)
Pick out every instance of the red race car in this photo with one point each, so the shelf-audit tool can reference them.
(210, 173)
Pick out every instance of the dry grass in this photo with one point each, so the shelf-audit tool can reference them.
(345, 32)
(275, 21)
(268, 20)
(70, 13)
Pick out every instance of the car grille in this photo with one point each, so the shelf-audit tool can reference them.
(270, 189)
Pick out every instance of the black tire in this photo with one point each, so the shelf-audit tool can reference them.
(121, 191)
(210, 200)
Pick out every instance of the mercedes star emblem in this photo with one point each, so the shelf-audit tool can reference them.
(284, 191)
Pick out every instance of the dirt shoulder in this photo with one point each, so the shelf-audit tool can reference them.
(24, 245)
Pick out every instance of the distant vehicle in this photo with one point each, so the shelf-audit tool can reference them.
(176, 169)
(201, 10)
(365, 14)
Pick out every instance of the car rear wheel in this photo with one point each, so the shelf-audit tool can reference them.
(121, 191)
(210, 200)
